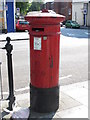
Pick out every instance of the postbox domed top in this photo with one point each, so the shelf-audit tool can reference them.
(44, 17)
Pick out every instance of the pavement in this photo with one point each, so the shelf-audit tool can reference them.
(73, 104)
(84, 27)
(14, 36)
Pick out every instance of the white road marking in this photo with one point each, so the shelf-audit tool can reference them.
(86, 33)
(22, 89)
(5, 93)
(65, 77)
(18, 90)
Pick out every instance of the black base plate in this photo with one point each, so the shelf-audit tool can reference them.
(44, 100)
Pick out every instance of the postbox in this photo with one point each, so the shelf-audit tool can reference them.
(44, 60)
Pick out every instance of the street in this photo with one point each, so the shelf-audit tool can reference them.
(73, 60)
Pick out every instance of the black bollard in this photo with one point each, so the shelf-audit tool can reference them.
(1, 82)
(11, 96)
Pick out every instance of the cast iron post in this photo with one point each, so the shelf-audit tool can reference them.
(1, 82)
(11, 96)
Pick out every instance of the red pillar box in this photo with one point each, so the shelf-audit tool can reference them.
(44, 60)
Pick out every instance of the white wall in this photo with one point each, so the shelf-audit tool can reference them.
(88, 15)
(77, 14)
(5, 22)
(1, 5)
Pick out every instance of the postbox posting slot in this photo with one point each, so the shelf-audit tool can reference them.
(38, 29)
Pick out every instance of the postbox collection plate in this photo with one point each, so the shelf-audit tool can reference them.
(37, 43)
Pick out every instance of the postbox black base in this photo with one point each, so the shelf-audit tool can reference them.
(44, 100)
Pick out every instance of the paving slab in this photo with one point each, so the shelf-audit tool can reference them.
(78, 91)
(67, 102)
(23, 100)
(75, 112)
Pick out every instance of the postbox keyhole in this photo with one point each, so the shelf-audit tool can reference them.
(51, 61)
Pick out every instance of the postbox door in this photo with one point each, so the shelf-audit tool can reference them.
(44, 61)
(39, 61)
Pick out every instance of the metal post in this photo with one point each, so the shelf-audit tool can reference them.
(11, 96)
(1, 82)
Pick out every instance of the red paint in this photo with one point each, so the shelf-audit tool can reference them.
(44, 63)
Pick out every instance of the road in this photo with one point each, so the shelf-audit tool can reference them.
(73, 60)
(74, 55)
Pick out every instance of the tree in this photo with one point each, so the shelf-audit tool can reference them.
(36, 5)
(24, 6)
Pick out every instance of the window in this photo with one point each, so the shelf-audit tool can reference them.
(23, 22)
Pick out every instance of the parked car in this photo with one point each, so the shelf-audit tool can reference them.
(71, 24)
(22, 25)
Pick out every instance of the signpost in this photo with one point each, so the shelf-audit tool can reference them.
(6, 8)
(85, 13)
(18, 11)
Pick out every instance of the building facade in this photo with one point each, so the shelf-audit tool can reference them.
(50, 5)
(10, 16)
(76, 10)
(64, 8)
(81, 12)
(7, 16)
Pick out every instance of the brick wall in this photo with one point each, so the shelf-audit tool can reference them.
(64, 8)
